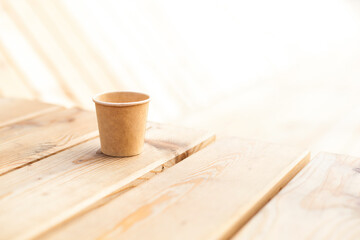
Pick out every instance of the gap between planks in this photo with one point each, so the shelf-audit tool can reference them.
(27, 141)
(205, 196)
(17, 110)
(322, 202)
(136, 182)
(277, 185)
(63, 176)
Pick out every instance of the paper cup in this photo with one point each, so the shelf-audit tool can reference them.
(121, 120)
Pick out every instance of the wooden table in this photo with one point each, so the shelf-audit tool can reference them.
(56, 184)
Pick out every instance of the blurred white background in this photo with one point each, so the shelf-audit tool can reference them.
(281, 71)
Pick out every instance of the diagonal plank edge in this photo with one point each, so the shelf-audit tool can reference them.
(69, 182)
(272, 189)
(207, 140)
(322, 202)
(204, 196)
(27, 141)
(16, 110)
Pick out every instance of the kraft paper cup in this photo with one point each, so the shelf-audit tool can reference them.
(121, 120)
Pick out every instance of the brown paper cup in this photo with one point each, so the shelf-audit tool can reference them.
(121, 120)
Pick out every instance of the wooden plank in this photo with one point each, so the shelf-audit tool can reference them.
(56, 188)
(27, 141)
(322, 202)
(15, 110)
(206, 196)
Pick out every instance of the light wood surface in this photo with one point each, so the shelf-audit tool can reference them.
(293, 81)
(58, 187)
(15, 110)
(206, 196)
(321, 202)
(27, 141)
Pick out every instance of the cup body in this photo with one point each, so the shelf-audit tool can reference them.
(121, 120)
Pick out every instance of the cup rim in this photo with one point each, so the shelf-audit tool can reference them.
(112, 104)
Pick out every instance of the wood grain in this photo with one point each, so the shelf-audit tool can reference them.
(15, 110)
(206, 196)
(27, 141)
(321, 202)
(56, 188)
